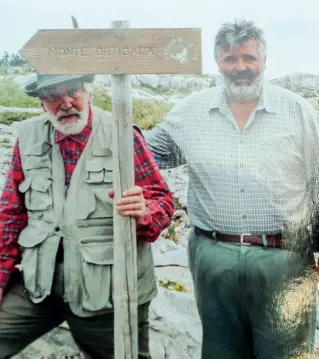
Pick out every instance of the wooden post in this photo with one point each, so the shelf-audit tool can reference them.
(125, 267)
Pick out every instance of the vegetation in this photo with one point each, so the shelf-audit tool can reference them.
(7, 118)
(148, 113)
(12, 60)
(17, 64)
(173, 285)
(11, 95)
(178, 205)
(171, 233)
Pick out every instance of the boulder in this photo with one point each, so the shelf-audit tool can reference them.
(178, 82)
(151, 81)
(305, 84)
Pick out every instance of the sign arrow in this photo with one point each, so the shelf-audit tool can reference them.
(115, 51)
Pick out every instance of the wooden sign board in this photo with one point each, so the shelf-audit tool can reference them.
(115, 51)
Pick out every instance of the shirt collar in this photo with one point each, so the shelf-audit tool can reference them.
(219, 100)
(79, 137)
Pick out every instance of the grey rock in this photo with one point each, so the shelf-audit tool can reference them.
(165, 81)
(197, 83)
(178, 82)
(17, 109)
(175, 329)
(23, 80)
(305, 84)
(135, 81)
(314, 101)
(105, 80)
(151, 81)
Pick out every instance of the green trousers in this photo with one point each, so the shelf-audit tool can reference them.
(254, 302)
(22, 322)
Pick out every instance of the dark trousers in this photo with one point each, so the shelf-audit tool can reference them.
(22, 322)
(254, 302)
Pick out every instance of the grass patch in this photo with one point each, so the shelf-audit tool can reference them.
(171, 233)
(178, 205)
(101, 98)
(5, 143)
(146, 114)
(11, 95)
(7, 118)
(174, 285)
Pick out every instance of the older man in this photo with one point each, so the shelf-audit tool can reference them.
(252, 155)
(57, 208)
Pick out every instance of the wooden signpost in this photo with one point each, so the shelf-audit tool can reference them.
(121, 52)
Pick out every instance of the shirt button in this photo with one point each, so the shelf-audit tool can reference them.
(57, 228)
(242, 190)
(244, 216)
(241, 141)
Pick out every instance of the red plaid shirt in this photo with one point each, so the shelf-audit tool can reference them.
(13, 214)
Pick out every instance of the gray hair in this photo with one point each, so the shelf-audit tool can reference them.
(233, 34)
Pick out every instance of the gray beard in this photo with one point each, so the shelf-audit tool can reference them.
(243, 92)
(71, 128)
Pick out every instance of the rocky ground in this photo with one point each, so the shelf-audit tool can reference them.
(175, 327)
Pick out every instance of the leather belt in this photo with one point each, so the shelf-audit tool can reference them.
(273, 240)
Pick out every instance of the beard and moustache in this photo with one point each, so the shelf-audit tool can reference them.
(70, 127)
(243, 91)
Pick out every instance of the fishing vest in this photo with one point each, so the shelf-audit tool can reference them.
(82, 216)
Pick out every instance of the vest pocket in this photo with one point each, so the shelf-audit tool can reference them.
(99, 170)
(37, 156)
(97, 261)
(37, 192)
(95, 203)
(30, 241)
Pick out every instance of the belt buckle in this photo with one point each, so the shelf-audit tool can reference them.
(242, 239)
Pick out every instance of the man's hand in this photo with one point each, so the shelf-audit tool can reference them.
(132, 203)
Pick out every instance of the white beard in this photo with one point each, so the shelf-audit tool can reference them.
(243, 92)
(70, 127)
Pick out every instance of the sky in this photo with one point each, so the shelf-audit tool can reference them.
(291, 26)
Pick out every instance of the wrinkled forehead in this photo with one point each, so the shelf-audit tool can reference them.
(249, 47)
